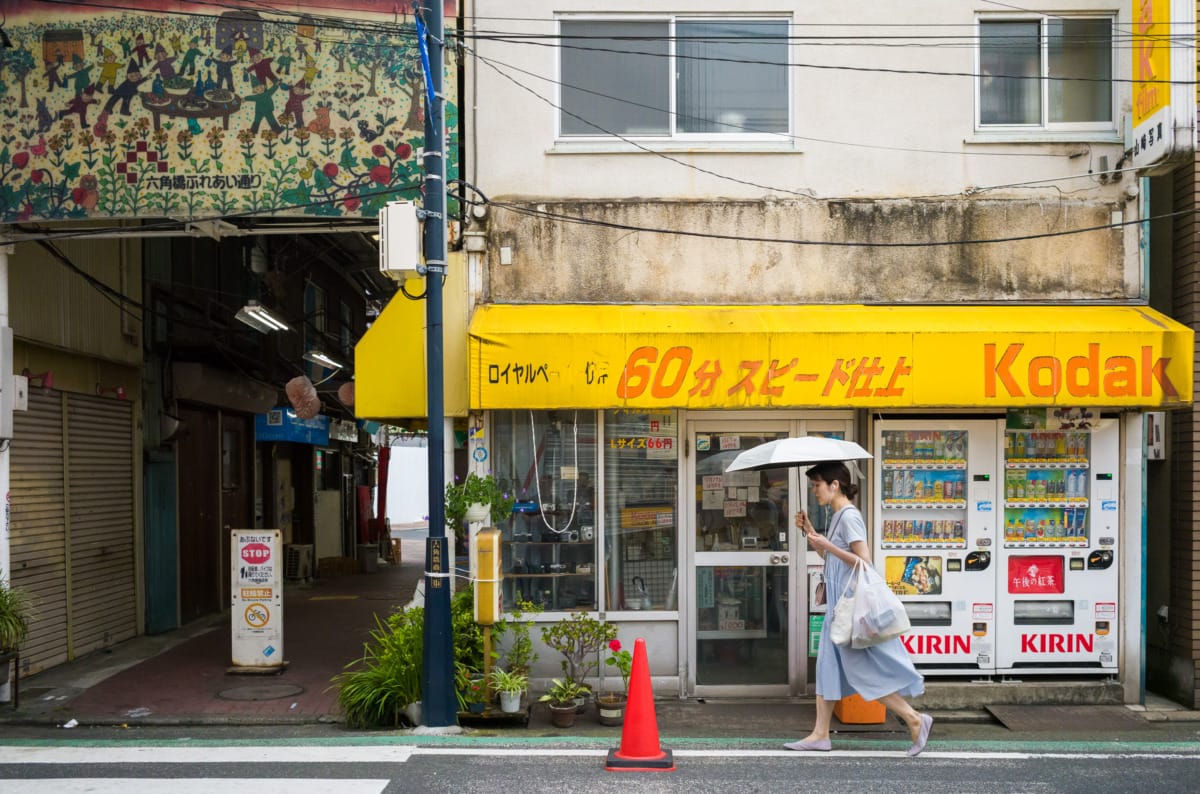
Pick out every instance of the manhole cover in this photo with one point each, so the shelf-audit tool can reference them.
(260, 692)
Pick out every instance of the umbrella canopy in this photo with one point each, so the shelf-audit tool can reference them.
(801, 451)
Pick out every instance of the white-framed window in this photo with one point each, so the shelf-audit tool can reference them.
(718, 78)
(1045, 73)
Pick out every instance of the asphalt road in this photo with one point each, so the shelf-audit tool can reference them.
(444, 764)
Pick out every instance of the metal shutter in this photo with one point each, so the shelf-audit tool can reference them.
(38, 544)
(100, 494)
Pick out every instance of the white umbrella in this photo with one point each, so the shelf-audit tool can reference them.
(801, 451)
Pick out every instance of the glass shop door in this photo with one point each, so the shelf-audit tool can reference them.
(742, 641)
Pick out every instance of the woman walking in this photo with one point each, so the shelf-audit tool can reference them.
(881, 672)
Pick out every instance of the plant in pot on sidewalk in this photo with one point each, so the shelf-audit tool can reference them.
(510, 687)
(16, 613)
(579, 639)
(611, 705)
(382, 688)
(471, 689)
(560, 698)
(477, 498)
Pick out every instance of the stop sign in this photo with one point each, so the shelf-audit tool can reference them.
(256, 553)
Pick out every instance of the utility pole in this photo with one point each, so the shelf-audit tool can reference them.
(437, 687)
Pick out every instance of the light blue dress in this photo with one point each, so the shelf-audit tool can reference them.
(841, 670)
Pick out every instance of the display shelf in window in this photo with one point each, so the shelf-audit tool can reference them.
(556, 575)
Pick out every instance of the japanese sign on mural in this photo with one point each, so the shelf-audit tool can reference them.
(174, 109)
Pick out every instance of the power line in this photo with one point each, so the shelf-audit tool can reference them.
(805, 193)
(557, 216)
(494, 63)
(831, 67)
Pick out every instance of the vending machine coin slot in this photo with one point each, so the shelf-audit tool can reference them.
(1044, 613)
(1099, 560)
(928, 613)
(979, 560)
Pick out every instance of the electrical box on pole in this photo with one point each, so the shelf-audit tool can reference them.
(400, 241)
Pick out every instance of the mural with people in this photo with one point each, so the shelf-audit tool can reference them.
(184, 110)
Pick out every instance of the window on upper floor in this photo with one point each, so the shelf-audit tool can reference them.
(1050, 73)
(674, 78)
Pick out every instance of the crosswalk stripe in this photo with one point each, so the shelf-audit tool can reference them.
(266, 754)
(123, 785)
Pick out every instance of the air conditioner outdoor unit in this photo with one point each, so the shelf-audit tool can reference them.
(298, 562)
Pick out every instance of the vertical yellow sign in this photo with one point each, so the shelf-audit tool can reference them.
(1151, 58)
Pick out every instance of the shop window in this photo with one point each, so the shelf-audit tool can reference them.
(1046, 73)
(641, 519)
(547, 460)
(723, 77)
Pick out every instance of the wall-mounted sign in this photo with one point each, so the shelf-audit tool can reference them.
(282, 424)
(342, 430)
(739, 357)
(256, 614)
(197, 110)
(1163, 83)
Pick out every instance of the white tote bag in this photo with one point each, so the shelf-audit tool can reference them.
(878, 615)
(842, 621)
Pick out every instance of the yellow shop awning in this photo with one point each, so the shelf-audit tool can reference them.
(704, 357)
(390, 361)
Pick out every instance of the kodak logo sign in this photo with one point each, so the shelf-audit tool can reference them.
(1079, 376)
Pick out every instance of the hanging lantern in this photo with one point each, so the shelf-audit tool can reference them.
(345, 393)
(302, 394)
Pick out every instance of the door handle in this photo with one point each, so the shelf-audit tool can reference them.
(776, 559)
(783, 559)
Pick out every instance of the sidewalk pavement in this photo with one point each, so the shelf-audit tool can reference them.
(181, 679)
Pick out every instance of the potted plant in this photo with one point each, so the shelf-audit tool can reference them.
(476, 490)
(579, 639)
(471, 688)
(611, 705)
(560, 699)
(510, 685)
(383, 687)
(16, 612)
(521, 654)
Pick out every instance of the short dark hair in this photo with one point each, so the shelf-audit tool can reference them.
(834, 471)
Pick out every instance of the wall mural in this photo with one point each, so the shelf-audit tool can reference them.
(183, 110)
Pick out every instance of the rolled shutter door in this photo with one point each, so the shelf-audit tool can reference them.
(38, 544)
(100, 487)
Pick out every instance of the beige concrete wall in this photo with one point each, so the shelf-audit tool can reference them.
(557, 262)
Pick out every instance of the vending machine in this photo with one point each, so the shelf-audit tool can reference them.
(934, 535)
(1056, 605)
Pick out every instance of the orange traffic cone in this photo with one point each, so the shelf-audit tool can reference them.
(640, 750)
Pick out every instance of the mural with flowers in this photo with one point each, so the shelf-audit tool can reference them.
(185, 110)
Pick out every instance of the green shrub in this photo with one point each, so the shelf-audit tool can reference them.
(373, 690)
